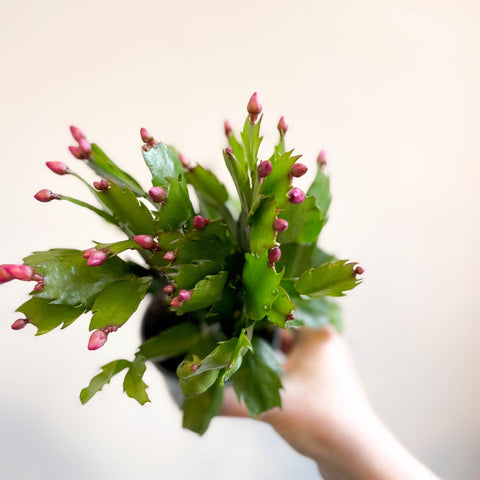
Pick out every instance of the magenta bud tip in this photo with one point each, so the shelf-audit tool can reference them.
(4, 275)
(322, 159)
(176, 302)
(280, 225)
(274, 255)
(228, 128)
(77, 134)
(146, 137)
(85, 148)
(199, 222)
(20, 323)
(282, 126)
(20, 272)
(254, 108)
(38, 286)
(228, 152)
(184, 295)
(96, 258)
(298, 170)
(170, 256)
(103, 185)
(291, 316)
(193, 367)
(88, 252)
(296, 196)
(76, 152)
(264, 169)
(145, 241)
(46, 195)
(168, 289)
(158, 194)
(358, 270)
(97, 339)
(58, 167)
(185, 163)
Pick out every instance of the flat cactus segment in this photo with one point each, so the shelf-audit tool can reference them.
(320, 189)
(262, 234)
(163, 162)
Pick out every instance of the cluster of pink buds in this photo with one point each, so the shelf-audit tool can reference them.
(147, 139)
(95, 256)
(298, 170)
(282, 126)
(264, 169)
(199, 222)
(280, 225)
(183, 296)
(296, 196)
(58, 167)
(82, 151)
(254, 108)
(46, 195)
(99, 337)
(24, 273)
(274, 255)
(170, 256)
(322, 159)
(146, 242)
(158, 194)
(20, 323)
(102, 185)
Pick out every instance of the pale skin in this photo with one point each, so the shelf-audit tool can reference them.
(326, 414)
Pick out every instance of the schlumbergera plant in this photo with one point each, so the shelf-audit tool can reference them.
(227, 275)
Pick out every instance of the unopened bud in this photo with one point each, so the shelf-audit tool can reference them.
(97, 339)
(96, 258)
(274, 255)
(296, 196)
(298, 170)
(58, 167)
(145, 241)
(254, 108)
(228, 152)
(264, 169)
(358, 270)
(193, 367)
(146, 137)
(20, 272)
(76, 152)
(280, 225)
(158, 194)
(46, 195)
(4, 275)
(103, 185)
(85, 148)
(38, 286)
(176, 303)
(199, 222)
(290, 317)
(168, 289)
(228, 128)
(87, 253)
(77, 134)
(322, 159)
(185, 163)
(282, 126)
(184, 295)
(20, 323)
(170, 256)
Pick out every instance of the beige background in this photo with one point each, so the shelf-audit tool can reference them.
(388, 88)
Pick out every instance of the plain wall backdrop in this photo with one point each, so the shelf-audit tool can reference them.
(389, 88)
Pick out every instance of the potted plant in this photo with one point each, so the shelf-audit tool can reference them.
(223, 277)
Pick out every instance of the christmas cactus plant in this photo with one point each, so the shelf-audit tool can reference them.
(228, 272)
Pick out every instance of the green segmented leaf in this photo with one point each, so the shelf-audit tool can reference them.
(132, 215)
(281, 308)
(206, 293)
(37, 258)
(68, 280)
(198, 411)
(133, 384)
(172, 342)
(239, 177)
(298, 257)
(320, 189)
(277, 184)
(118, 247)
(207, 183)
(261, 285)
(188, 275)
(242, 346)
(46, 316)
(116, 303)
(97, 383)
(262, 234)
(198, 384)
(305, 222)
(163, 162)
(331, 279)
(238, 151)
(177, 209)
(105, 167)
(317, 312)
(257, 382)
(251, 141)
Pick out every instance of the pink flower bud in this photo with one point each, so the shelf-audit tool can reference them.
(145, 241)
(20, 323)
(184, 295)
(254, 108)
(228, 128)
(103, 185)
(158, 194)
(298, 170)
(291, 316)
(110, 328)
(193, 367)
(358, 270)
(228, 152)
(58, 167)
(280, 225)
(282, 126)
(38, 286)
(146, 147)
(76, 152)
(146, 137)
(296, 196)
(322, 159)
(97, 258)
(170, 256)
(168, 289)
(185, 163)
(97, 340)
(4, 275)
(46, 196)
(77, 134)
(176, 302)
(264, 169)
(199, 222)
(274, 255)
(20, 272)
(87, 253)
(85, 148)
